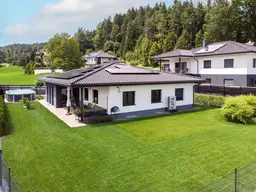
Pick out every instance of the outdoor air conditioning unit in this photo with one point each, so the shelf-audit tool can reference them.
(172, 103)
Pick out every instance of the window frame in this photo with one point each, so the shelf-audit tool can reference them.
(208, 80)
(179, 98)
(228, 80)
(207, 67)
(126, 100)
(254, 63)
(156, 98)
(86, 97)
(226, 64)
(93, 94)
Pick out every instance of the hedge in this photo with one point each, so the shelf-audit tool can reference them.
(98, 119)
(237, 109)
(209, 100)
(3, 118)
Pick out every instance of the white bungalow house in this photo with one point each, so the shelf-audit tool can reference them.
(123, 90)
(97, 58)
(222, 63)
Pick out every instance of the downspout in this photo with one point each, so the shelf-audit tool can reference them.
(197, 66)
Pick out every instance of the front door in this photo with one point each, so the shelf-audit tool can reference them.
(76, 95)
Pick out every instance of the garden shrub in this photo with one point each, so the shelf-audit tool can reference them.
(98, 119)
(40, 97)
(3, 118)
(209, 100)
(236, 109)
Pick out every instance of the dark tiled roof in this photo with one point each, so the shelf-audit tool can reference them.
(223, 48)
(109, 75)
(99, 54)
(175, 53)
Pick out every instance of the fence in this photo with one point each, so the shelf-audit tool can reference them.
(224, 90)
(240, 180)
(7, 184)
(39, 91)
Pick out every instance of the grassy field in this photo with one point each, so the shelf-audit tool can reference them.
(14, 75)
(176, 153)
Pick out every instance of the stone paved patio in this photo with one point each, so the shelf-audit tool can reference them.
(61, 113)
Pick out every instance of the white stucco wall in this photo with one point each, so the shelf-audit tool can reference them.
(103, 93)
(113, 96)
(243, 64)
(143, 96)
(42, 71)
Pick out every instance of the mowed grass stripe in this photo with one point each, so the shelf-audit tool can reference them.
(173, 153)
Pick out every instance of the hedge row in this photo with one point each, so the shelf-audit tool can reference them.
(209, 100)
(3, 118)
(240, 109)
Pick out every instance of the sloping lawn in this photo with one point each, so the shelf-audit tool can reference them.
(14, 75)
(175, 153)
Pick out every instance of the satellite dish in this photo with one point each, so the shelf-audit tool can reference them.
(114, 109)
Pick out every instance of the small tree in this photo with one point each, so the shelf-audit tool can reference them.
(39, 84)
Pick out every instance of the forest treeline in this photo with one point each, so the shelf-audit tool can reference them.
(146, 31)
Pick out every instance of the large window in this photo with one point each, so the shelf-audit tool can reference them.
(254, 63)
(207, 64)
(228, 63)
(95, 96)
(208, 80)
(86, 94)
(128, 98)
(228, 82)
(179, 94)
(156, 96)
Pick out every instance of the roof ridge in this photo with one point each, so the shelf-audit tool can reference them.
(241, 45)
(100, 69)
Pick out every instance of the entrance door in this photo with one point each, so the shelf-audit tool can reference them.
(76, 94)
(95, 96)
(181, 67)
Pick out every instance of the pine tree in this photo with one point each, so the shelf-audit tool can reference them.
(155, 50)
(184, 41)
(169, 42)
(199, 39)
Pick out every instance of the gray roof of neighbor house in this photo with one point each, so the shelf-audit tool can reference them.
(219, 48)
(115, 73)
(99, 54)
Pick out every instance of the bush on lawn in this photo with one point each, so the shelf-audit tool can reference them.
(236, 109)
(251, 100)
(40, 97)
(3, 118)
(209, 100)
(98, 119)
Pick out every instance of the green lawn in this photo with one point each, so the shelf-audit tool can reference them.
(176, 153)
(14, 75)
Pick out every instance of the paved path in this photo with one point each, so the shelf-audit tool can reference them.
(70, 120)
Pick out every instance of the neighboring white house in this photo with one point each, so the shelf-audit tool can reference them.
(222, 63)
(123, 90)
(96, 58)
(43, 70)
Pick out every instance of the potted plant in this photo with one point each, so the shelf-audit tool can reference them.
(79, 112)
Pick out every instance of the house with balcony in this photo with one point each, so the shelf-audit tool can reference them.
(221, 63)
(97, 58)
(121, 90)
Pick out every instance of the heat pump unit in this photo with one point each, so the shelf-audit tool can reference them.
(171, 103)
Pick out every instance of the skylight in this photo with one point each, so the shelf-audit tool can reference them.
(211, 48)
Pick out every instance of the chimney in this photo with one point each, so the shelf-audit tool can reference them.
(205, 45)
